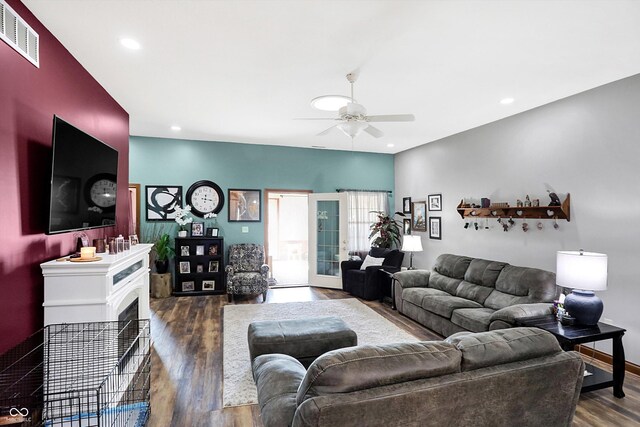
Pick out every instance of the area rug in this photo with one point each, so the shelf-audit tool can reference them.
(238, 385)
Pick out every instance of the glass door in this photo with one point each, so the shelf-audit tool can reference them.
(327, 238)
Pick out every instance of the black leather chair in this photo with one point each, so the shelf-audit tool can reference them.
(369, 284)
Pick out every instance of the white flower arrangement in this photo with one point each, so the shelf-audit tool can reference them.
(183, 216)
(210, 215)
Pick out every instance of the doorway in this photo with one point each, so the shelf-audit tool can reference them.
(287, 237)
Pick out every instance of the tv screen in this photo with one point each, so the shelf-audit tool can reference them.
(83, 180)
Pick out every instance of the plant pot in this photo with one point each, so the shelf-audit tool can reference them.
(182, 233)
(162, 266)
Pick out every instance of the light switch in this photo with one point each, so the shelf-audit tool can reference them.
(245, 229)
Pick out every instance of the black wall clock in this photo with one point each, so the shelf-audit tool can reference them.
(100, 190)
(205, 197)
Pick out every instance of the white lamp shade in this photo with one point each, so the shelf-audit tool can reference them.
(581, 270)
(411, 244)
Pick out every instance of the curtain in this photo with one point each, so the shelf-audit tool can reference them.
(359, 206)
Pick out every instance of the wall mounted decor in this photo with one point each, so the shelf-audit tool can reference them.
(245, 205)
(503, 210)
(435, 227)
(162, 201)
(406, 225)
(205, 197)
(406, 205)
(435, 202)
(419, 216)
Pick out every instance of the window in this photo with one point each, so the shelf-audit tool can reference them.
(360, 205)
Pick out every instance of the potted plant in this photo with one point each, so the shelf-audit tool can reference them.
(183, 217)
(163, 250)
(386, 230)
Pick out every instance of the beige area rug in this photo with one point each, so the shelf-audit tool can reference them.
(239, 388)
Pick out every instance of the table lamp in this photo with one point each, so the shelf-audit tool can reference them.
(411, 244)
(584, 272)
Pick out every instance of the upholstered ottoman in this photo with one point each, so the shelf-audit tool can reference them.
(303, 339)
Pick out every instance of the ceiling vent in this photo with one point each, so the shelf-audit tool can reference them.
(18, 34)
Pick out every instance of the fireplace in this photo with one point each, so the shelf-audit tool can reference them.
(129, 326)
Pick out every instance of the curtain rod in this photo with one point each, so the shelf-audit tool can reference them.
(339, 190)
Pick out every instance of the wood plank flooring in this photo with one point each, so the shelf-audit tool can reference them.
(186, 370)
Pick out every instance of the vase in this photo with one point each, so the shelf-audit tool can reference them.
(182, 233)
(162, 266)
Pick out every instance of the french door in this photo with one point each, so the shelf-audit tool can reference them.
(327, 238)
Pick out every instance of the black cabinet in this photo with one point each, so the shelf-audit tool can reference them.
(199, 266)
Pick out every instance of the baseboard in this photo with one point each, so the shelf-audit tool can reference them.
(607, 358)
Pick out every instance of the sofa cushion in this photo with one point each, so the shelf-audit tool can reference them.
(473, 292)
(444, 305)
(371, 261)
(454, 266)
(443, 283)
(472, 319)
(522, 285)
(368, 366)
(503, 346)
(416, 295)
(484, 272)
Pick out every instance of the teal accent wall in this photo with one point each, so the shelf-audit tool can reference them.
(159, 161)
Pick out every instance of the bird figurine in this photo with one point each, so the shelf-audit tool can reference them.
(555, 200)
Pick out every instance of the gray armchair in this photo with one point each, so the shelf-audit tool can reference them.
(246, 271)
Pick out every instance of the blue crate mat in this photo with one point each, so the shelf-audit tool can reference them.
(136, 414)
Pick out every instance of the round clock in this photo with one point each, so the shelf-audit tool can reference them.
(100, 190)
(205, 197)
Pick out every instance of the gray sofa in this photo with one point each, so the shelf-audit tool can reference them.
(472, 294)
(516, 376)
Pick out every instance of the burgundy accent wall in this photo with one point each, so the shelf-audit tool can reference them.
(29, 97)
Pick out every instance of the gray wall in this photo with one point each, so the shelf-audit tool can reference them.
(587, 145)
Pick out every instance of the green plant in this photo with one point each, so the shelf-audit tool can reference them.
(163, 248)
(386, 230)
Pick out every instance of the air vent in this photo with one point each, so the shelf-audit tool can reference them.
(18, 34)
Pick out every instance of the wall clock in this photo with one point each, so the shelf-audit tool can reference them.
(205, 197)
(100, 190)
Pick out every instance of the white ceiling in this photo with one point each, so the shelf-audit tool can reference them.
(241, 71)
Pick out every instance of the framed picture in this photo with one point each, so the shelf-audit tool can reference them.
(200, 250)
(185, 267)
(214, 266)
(208, 285)
(435, 228)
(184, 251)
(199, 268)
(419, 216)
(189, 285)
(162, 201)
(212, 232)
(65, 194)
(213, 250)
(406, 205)
(406, 226)
(244, 205)
(435, 202)
(197, 229)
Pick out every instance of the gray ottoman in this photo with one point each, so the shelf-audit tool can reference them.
(304, 339)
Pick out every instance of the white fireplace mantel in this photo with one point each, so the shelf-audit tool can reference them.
(96, 291)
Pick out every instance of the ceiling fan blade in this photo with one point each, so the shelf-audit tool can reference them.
(326, 131)
(315, 118)
(375, 132)
(392, 118)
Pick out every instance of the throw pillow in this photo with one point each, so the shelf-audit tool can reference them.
(369, 261)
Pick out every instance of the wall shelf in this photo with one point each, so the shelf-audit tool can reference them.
(535, 212)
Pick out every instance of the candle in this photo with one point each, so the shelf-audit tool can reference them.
(88, 252)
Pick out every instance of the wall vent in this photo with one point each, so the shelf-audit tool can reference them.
(18, 34)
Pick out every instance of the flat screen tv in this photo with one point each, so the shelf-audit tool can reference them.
(84, 181)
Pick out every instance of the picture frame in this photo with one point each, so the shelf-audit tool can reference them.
(435, 202)
(161, 202)
(214, 266)
(406, 226)
(419, 216)
(208, 285)
(199, 249)
(406, 205)
(245, 205)
(184, 250)
(197, 229)
(213, 250)
(212, 232)
(199, 268)
(188, 286)
(185, 267)
(435, 228)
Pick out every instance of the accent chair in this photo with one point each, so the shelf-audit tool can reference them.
(246, 271)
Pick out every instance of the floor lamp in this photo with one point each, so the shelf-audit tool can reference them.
(411, 244)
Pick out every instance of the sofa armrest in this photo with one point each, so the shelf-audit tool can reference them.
(521, 311)
(413, 278)
(350, 265)
(264, 270)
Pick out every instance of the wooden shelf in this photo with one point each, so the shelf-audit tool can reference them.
(535, 212)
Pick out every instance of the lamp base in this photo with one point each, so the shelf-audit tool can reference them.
(585, 306)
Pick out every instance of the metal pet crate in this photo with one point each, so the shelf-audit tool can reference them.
(78, 375)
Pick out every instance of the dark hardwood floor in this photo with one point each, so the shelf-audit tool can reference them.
(186, 384)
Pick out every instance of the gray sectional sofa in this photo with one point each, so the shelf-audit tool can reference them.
(517, 376)
(471, 294)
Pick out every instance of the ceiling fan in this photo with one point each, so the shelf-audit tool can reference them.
(353, 116)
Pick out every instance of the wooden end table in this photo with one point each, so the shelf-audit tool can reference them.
(570, 335)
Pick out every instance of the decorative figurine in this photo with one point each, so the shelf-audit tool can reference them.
(539, 225)
(536, 203)
(555, 223)
(519, 203)
(555, 200)
(527, 202)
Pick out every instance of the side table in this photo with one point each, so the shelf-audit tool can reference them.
(570, 335)
(389, 273)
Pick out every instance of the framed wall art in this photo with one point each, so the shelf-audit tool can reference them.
(208, 285)
(406, 226)
(435, 202)
(435, 227)
(406, 205)
(419, 216)
(188, 286)
(161, 201)
(245, 205)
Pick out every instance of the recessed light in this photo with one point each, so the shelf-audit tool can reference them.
(330, 102)
(176, 128)
(130, 43)
(506, 101)
(390, 145)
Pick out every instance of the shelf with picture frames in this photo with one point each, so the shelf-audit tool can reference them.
(534, 212)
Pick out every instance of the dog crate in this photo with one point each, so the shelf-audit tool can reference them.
(78, 375)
